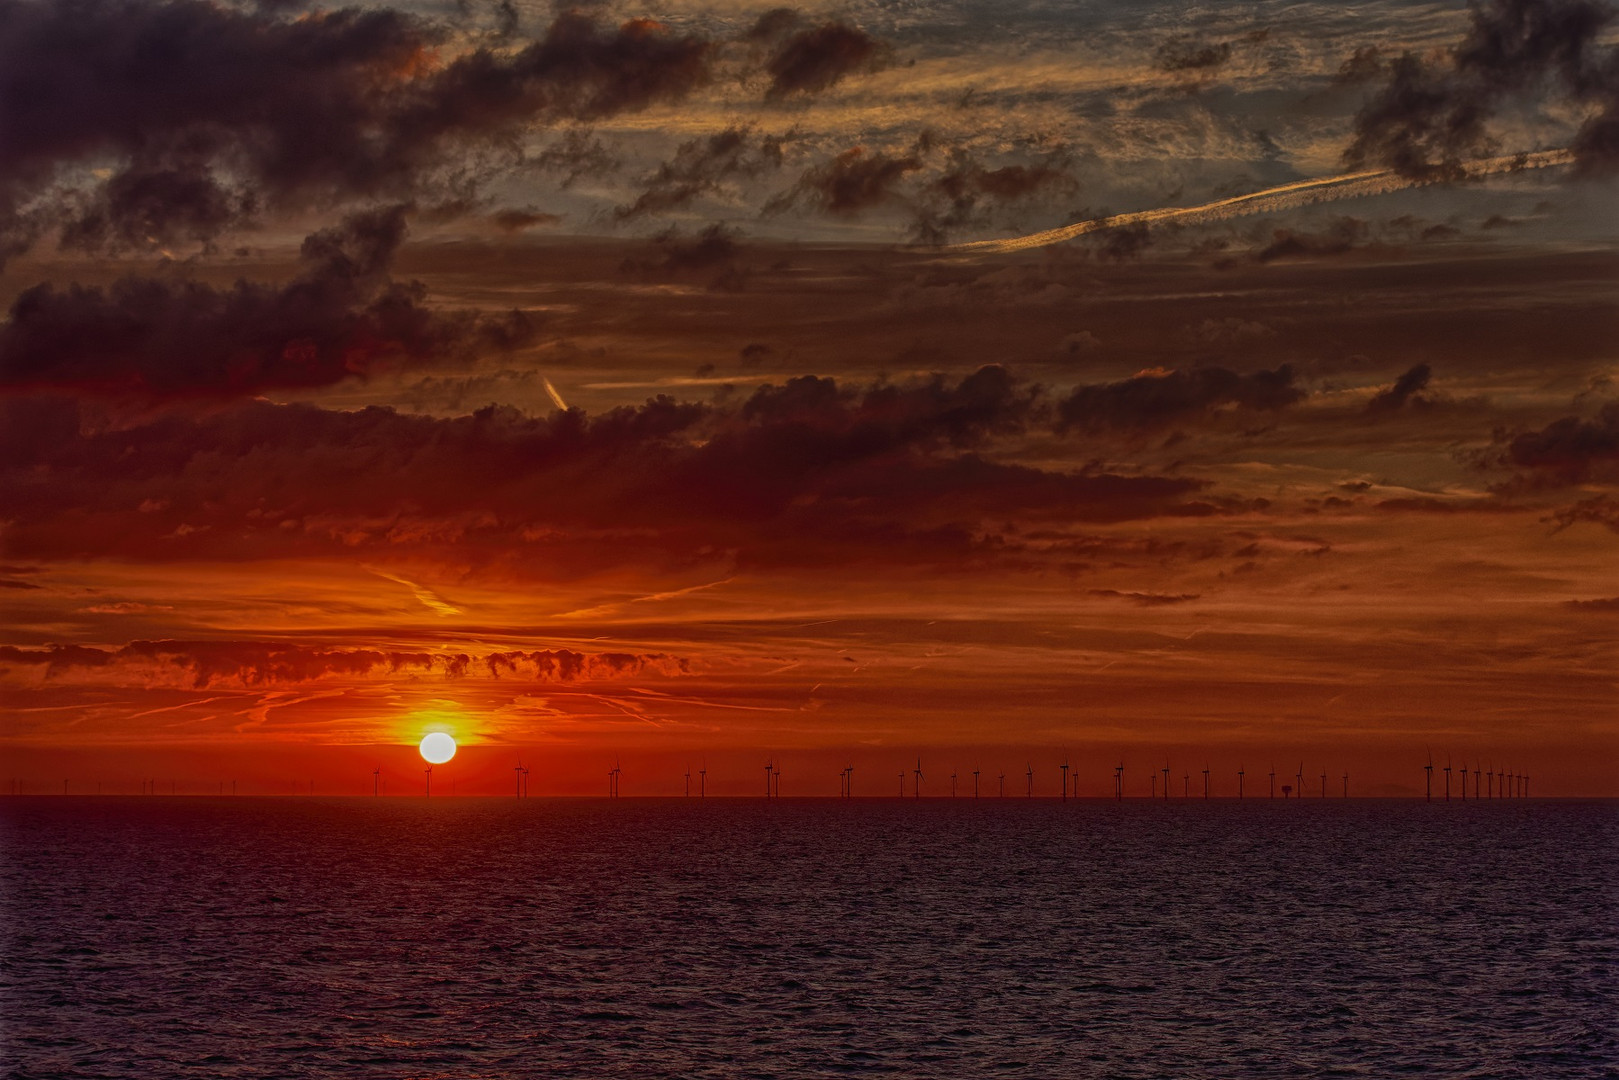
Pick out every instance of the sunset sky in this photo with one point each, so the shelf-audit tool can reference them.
(619, 384)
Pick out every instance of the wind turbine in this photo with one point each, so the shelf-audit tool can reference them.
(918, 772)
(429, 772)
(1064, 767)
(1323, 783)
(1003, 785)
(1429, 768)
(1239, 782)
(688, 781)
(1273, 779)
(952, 783)
(1029, 793)
(975, 783)
(1447, 779)
(376, 783)
(1301, 779)
(702, 781)
(1346, 785)
(1489, 779)
(1205, 781)
(1166, 781)
(1118, 782)
(517, 775)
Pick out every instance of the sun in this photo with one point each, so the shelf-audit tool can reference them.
(437, 747)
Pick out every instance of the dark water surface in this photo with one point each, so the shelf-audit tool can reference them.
(482, 938)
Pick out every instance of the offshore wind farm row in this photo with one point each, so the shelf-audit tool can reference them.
(1487, 783)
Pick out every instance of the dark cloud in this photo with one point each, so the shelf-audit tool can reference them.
(518, 220)
(1364, 65)
(808, 470)
(855, 180)
(703, 166)
(1604, 604)
(1403, 392)
(1598, 510)
(206, 113)
(578, 154)
(1567, 451)
(260, 663)
(1145, 599)
(340, 318)
(1187, 54)
(804, 59)
(966, 192)
(1158, 399)
(1431, 116)
(1338, 238)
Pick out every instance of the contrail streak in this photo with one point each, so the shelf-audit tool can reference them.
(1285, 197)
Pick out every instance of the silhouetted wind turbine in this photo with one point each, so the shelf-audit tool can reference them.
(1300, 779)
(1186, 786)
(688, 781)
(1154, 778)
(1064, 767)
(1030, 792)
(902, 783)
(517, 777)
(770, 768)
(1447, 779)
(952, 784)
(1429, 768)
(975, 783)
(1489, 777)
(1346, 785)
(1477, 774)
(429, 771)
(1323, 783)
(1003, 785)
(1118, 781)
(1205, 782)
(376, 783)
(1273, 779)
(1166, 782)
(702, 781)
(1526, 785)
(918, 772)
(1239, 782)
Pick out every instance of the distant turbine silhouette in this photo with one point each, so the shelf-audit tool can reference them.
(1003, 785)
(429, 771)
(1489, 777)
(1346, 785)
(1166, 782)
(702, 781)
(517, 775)
(918, 771)
(1064, 767)
(688, 781)
(1154, 778)
(1300, 779)
(1477, 775)
(952, 784)
(1205, 782)
(1030, 792)
(376, 783)
(1239, 782)
(1118, 782)
(1273, 779)
(1447, 779)
(1429, 768)
(975, 783)
(1186, 786)
(1323, 783)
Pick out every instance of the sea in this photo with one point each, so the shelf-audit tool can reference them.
(459, 937)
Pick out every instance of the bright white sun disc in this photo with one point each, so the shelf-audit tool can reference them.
(437, 747)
